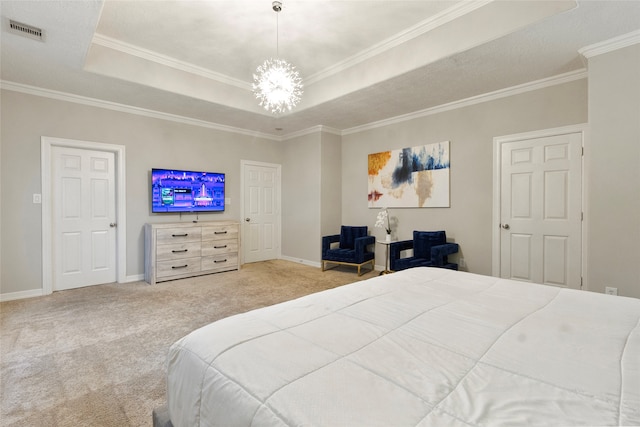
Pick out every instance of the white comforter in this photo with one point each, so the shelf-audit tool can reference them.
(422, 347)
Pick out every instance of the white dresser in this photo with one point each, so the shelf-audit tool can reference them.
(186, 249)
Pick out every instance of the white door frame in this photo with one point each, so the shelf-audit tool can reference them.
(47, 143)
(243, 165)
(497, 195)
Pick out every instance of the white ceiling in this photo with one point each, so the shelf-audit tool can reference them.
(361, 61)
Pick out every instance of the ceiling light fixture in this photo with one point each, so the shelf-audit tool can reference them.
(276, 83)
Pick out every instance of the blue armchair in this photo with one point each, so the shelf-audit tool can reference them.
(352, 248)
(430, 249)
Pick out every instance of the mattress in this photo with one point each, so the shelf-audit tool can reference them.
(420, 347)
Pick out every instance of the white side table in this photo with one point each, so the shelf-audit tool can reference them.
(386, 256)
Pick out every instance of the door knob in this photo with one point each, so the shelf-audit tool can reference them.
(247, 219)
(113, 224)
(505, 226)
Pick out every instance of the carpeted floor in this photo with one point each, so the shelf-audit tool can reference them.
(95, 356)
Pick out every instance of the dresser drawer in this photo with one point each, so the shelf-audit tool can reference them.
(217, 247)
(178, 251)
(218, 232)
(178, 266)
(178, 235)
(220, 262)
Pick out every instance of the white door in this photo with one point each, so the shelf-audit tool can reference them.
(261, 208)
(84, 214)
(541, 210)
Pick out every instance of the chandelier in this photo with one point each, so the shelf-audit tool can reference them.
(276, 83)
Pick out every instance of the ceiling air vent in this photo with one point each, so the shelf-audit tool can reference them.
(25, 30)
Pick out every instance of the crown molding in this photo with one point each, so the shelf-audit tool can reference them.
(167, 61)
(108, 105)
(503, 93)
(311, 130)
(610, 45)
(448, 15)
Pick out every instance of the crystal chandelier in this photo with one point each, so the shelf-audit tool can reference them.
(276, 83)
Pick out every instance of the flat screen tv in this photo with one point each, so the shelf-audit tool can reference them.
(175, 191)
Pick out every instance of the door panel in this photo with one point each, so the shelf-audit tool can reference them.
(521, 256)
(521, 195)
(71, 198)
(71, 253)
(100, 250)
(100, 198)
(555, 260)
(541, 205)
(556, 195)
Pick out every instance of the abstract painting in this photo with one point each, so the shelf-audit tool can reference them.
(416, 177)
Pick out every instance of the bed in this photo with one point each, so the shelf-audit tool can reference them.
(421, 347)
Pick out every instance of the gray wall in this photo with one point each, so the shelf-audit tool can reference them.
(330, 186)
(149, 143)
(470, 131)
(613, 172)
(324, 175)
(311, 188)
(301, 198)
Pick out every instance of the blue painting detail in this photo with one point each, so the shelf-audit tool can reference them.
(410, 160)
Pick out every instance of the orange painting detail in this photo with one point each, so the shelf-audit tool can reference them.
(377, 162)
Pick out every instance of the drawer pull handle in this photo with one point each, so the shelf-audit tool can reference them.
(219, 232)
(219, 260)
(219, 247)
(180, 235)
(176, 267)
(178, 251)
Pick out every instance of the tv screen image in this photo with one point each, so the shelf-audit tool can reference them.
(178, 191)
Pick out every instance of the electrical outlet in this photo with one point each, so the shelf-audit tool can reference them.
(37, 198)
(462, 264)
(610, 291)
(227, 200)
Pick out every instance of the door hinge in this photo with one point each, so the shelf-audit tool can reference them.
(583, 151)
(581, 216)
(580, 282)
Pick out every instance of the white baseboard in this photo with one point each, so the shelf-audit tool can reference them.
(301, 261)
(12, 296)
(136, 278)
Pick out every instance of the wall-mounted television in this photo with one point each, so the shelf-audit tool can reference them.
(175, 191)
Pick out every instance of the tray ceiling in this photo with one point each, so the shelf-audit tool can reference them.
(361, 61)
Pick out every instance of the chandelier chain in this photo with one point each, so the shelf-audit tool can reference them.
(276, 83)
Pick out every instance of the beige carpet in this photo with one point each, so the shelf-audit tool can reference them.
(95, 356)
